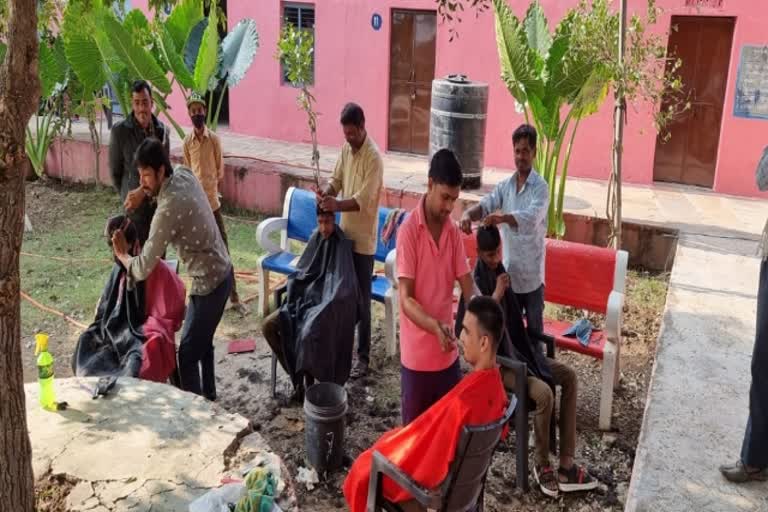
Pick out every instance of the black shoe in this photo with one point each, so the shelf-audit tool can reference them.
(739, 473)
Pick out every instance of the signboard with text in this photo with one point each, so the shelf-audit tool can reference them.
(752, 83)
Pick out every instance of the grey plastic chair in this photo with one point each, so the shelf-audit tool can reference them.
(463, 489)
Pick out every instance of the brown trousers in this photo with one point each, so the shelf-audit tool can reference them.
(541, 393)
(233, 296)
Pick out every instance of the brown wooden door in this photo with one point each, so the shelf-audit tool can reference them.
(412, 68)
(704, 46)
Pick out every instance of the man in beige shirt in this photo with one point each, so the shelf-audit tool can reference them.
(358, 177)
(202, 154)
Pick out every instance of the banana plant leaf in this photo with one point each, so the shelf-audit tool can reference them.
(136, 24)
(207, 62)
(137, 60)
(537, 34)
(167, 48)
(80, 48)
(192, 46)
(518, 68)
(51, 72)
(238, 50)
(182, 21)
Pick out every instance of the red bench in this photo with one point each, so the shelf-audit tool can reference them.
(591, 278)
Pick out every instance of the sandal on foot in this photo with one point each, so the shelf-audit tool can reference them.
(545, 477)
(575, 479)
(739, 473)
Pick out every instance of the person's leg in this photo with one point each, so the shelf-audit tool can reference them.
(753, 461)
(420, 390)
(191, 347)
(196, 347)
(234, 298)
(270, 327)
(565, 377)
(540, 393)
(216, 302)
(754, 451)
(364, 271)
(533, 305)
(571, 476)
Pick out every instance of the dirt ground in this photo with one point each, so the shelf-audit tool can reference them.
(243, 380)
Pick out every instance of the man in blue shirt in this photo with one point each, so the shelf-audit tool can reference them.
(518, 205)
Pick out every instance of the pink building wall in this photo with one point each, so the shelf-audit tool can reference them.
(352, 64)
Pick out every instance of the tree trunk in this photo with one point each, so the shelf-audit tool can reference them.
(19, 93)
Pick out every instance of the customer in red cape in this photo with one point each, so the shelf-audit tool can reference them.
(426, 447)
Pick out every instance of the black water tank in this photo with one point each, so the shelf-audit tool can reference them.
(457, 122)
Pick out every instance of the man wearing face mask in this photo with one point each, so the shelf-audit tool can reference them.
(202, 154)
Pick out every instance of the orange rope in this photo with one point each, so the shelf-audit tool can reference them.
(54, 311)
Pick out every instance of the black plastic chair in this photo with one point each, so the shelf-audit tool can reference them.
(464, 486)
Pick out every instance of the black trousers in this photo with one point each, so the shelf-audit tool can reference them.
(196, 354)
(364, 270)
(533, 305)
(754, 450)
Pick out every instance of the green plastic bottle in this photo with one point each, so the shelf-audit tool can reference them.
(45, 372)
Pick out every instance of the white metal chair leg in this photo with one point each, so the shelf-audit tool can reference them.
(390, 324)
(263, 291)
(608, 382)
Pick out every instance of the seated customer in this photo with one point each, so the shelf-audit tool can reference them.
(134, 329)
(424, 449)
(543, 373)
(312, 333)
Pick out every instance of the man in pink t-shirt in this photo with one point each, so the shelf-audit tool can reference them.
(430, 259)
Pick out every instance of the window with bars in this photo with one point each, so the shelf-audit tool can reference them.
(301, 16)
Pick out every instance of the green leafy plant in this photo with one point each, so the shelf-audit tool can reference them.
(37, 143)
(546, 77)
(295, 50)
(639, 70)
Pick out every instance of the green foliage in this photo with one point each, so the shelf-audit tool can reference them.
(52, 67)
(136, 59)
(207, 62)
(182, 20)
(47, 128)
(545, 76)
(295, 49)
(238, 50)
(451, 11)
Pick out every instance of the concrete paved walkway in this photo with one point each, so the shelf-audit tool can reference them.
(698, 398)
(147, 446)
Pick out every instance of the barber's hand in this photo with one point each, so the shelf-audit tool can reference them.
(329, 204)
(494, 219)
(134, 199)
(465, 224)
(119, 243)
(445, 336)
(502, 283)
